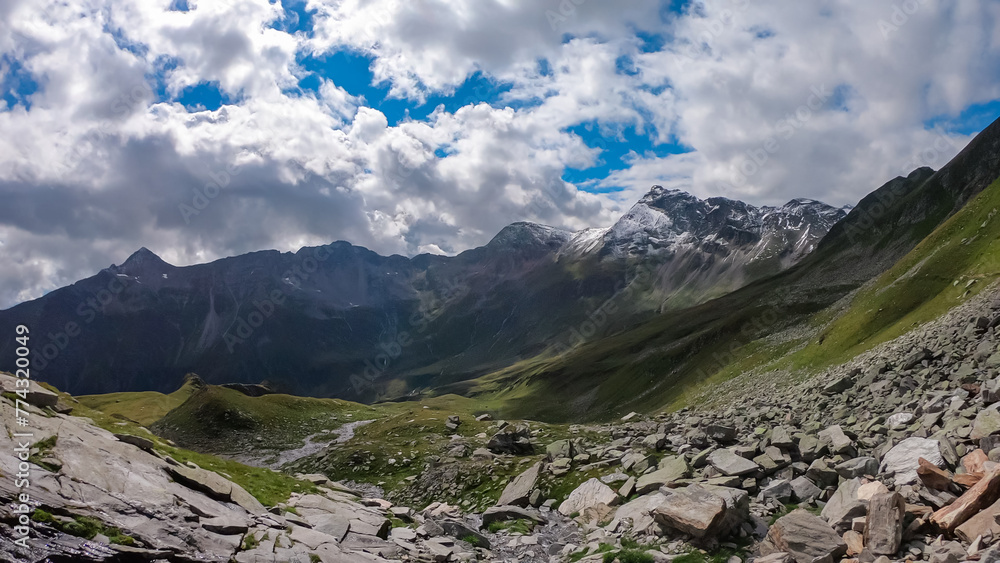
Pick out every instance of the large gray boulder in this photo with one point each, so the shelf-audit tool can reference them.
(701, 512)
(805, 538)
(728, 462)
(844, 506)
(518, 491)
(590, 494)
(671, 469)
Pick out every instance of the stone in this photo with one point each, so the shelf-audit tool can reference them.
(932, 476)
(591, 493)
(900, 420)
(511, 440)
(821, 474)
(884, 524)
(982, 524)
(694, 510)
(672, 468)
(983, 494)
(857, 467)
(779, 490)
(803, 489)
(503, 513)
(225, 525)
(636, 515)
(518, 491)
(986, 423)
(844, 506)
(459, 530)
(779, 557)
(560, 449)
(868, 490)
(720, 433)
(835, 439)
(806, 538)
(728, 463)
(904, 458)
(855, 542)
(137, 441)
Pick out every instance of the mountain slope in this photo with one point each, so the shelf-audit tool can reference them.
(340, 320)
(659, 361)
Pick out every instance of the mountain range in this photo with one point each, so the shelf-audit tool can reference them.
(340, 320)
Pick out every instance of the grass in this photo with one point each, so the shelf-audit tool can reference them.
(922, 286)
(83, 527)
(145, 407)
(519, 526)
(44, 447)
(269, 487)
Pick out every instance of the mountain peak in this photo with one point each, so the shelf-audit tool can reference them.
(524, 233)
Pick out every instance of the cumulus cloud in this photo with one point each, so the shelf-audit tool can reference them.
(769, 100)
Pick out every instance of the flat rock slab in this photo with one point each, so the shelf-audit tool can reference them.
(728, 463)
(517, 492)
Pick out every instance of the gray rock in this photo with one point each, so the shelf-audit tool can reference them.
(728, 463)
(591, 493)
(672, 468)
(884, 524)
(844, 506)
(518, 491)
(696, 511)
(806, 538)
(858, 467)
(779, 490)
(503, 513)
(803, 489)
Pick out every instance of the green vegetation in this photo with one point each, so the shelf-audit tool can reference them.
(83, 527)
(144, 407)
(520, 526)
(925, 284)
(44, 452)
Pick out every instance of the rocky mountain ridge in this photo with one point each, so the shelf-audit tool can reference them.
(329, 321)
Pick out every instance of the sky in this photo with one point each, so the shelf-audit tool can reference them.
(208, 128)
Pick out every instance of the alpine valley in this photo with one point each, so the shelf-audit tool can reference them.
(704, 380)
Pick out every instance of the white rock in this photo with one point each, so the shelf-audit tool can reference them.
(903, 458)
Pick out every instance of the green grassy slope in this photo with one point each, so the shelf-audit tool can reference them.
(145, 407)
(959, 257)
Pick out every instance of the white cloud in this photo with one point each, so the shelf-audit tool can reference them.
(99, 167)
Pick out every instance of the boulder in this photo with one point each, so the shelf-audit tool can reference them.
(728, 463)
(803, 489)
(503, 513)
(591, 493)
(511, 440)
(805, 538)
(844, 506)
(904, 458)
(560, 449)
(671, 469)
(983, 494)
(518, 491)
(696, 511)
(857, 467)
(884, 524)
(636, 515)
(987, 423)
